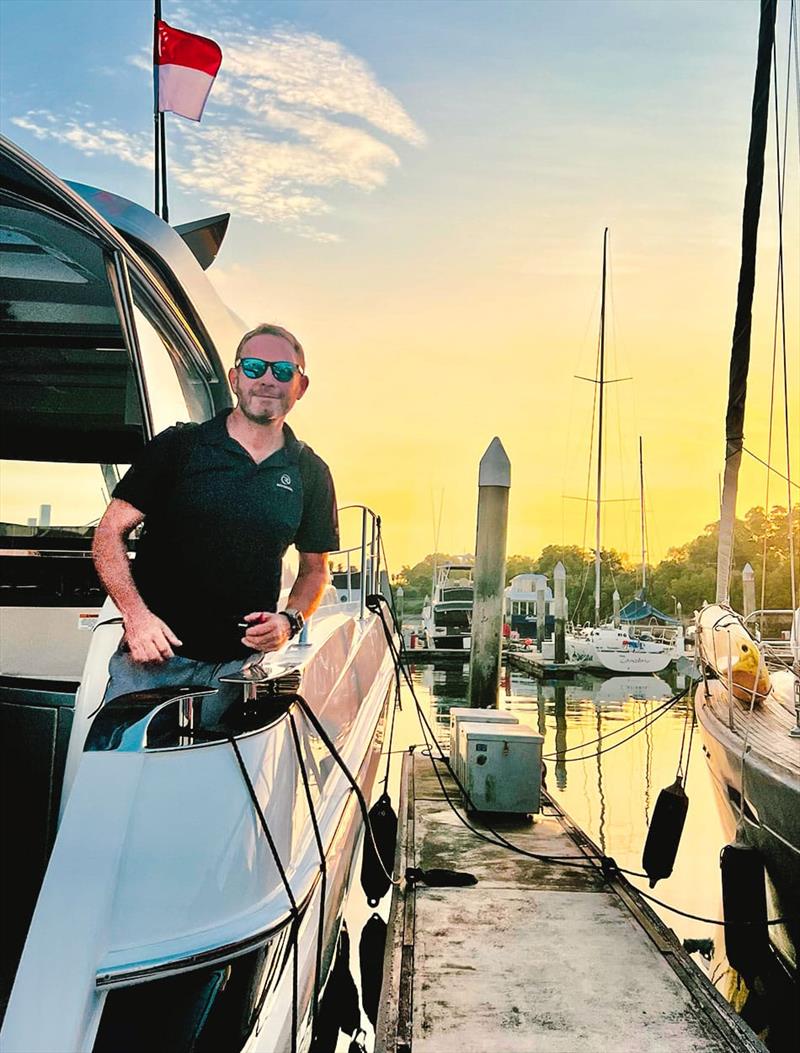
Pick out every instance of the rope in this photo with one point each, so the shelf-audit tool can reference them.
(781, 177)
(312, 718)
(767, 465)
(323, 870)
(397, 701)
(663, 706)
(654, 716)
(429, 735)
(282, 872)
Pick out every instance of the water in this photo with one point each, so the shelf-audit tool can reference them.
(611, 796)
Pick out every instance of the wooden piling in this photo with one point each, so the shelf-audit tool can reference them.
(399, 604)
(494, 483)
(616, 601)
(560, 603)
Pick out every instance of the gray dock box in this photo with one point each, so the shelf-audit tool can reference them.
(502, 765)
(462, 713)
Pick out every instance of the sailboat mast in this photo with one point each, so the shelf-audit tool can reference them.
(641, 502)
(601, 381)
(740, 348)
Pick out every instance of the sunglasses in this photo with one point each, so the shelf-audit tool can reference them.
(255, 368)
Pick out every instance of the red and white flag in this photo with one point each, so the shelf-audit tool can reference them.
(187, 65)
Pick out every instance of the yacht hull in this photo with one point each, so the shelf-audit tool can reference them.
(161, 868)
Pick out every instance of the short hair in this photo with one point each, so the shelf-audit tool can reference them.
(268, 329)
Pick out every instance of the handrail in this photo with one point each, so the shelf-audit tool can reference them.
(369, 555)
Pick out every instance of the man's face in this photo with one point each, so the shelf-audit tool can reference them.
(266, 399)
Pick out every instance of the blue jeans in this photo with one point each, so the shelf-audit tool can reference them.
(126, 676)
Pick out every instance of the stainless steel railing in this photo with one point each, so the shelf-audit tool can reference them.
(369, 556)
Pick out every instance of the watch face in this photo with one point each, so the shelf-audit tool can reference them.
(295, 619)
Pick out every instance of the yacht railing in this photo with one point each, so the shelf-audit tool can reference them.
(369, 556)
(781, 646)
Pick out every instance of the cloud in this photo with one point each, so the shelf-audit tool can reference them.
(292, 115)
(306, 73)
(90, 138)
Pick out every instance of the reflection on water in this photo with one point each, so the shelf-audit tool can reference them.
(608, 779)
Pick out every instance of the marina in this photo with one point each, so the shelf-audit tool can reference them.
(267, 784)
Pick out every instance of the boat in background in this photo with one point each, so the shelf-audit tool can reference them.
(179, 873)
(447, 616)
(520, 600)
(611, 647)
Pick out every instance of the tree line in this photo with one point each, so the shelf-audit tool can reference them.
(687, 575)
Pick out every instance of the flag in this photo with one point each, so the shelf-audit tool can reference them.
(186, 65)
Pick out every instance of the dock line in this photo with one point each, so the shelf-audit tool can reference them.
(607, 865)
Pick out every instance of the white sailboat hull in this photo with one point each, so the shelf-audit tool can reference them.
(610, 650)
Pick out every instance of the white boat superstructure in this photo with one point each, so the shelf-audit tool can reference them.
(192, 867)
(447, 617)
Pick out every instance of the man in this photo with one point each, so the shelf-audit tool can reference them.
(220, 502)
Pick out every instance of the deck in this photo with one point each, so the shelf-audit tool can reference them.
(537, 957)
(766, 728)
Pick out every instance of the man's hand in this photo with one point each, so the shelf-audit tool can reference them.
(149, 639)
(266, 632)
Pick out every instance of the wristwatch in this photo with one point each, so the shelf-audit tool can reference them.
(295, 619)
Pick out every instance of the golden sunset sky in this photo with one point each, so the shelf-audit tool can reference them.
(419, 191)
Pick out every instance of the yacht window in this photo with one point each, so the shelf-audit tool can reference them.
(50, 499)
(201, 1011)
(68, 390)
(174, 393)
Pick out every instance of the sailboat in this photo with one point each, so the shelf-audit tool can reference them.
(176, 882)
(749, 714)
(614, 648)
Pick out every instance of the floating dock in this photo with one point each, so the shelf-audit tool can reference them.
(435, 654)
(537, 957)
(537, 666)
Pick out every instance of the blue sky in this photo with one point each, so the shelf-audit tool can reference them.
(420, 190)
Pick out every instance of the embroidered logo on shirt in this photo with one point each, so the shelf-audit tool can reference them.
(285, 483)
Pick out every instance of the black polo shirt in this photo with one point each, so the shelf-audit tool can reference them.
(217, 526)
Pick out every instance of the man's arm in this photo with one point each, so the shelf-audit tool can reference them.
(149, 639)
(268, 631)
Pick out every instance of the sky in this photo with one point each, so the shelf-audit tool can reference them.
(419, 191)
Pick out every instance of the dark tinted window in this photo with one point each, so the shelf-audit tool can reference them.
(210, 1010)
(460, 593)
(68, 390)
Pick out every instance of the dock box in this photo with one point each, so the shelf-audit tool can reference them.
(502, 765)
(459, 713)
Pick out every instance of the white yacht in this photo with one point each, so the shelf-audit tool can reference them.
(167, 884)
(447, 615)
(520, 599)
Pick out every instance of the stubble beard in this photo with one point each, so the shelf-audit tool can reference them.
(257, 418)
(266, 416)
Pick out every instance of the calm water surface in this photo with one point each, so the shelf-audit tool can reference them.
(610, 796)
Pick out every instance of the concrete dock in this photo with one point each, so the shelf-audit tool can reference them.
(537, 957)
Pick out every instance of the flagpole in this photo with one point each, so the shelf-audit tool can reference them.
(164, 205)
(156, 121)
